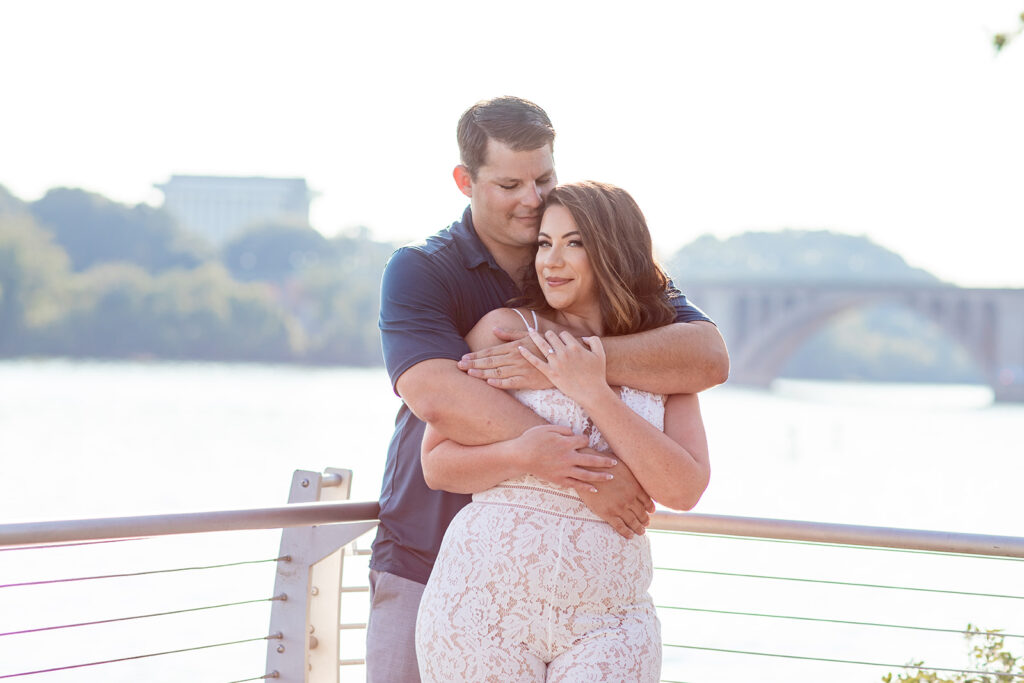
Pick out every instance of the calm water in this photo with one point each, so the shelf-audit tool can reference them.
(99, 439)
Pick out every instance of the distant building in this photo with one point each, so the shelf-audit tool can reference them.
(220, 207)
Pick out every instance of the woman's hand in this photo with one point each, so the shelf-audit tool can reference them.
(577, 370)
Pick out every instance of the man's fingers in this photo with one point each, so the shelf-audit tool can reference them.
(580, 486)
(507, 335)
(622, 529)
(481, 363)
(530, 357)
(641, 516)
(635, 524)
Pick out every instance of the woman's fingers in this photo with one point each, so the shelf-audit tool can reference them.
(542, 343)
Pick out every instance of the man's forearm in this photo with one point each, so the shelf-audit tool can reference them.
(681, 358)
(463, 408)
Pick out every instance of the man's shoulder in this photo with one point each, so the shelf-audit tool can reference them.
(444, 241)
(433, 261)
(439, 242)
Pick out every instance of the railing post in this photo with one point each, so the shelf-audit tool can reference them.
(307, 619)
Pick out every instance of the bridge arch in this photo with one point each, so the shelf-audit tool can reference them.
(765, 323)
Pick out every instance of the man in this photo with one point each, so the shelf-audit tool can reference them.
(431, 295)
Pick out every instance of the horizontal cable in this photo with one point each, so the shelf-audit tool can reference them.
(958, 631)
(146, 573)
(264, 677)
(822, 544)
(842, 583)
(67, 545)
(919, 667)
(128, 659)
(138, 616)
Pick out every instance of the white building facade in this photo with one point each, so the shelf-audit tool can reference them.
(221, 207)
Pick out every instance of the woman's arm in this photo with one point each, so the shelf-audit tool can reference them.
(672, 466)
(544, 450)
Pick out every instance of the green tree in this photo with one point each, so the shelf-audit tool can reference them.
(1001, 40)
(93, 229)
(33, 280)
(120, 310)
(338, 311)
(275, 252)
(987, 654)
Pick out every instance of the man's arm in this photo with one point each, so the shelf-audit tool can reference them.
(471, 413)
(681, 358)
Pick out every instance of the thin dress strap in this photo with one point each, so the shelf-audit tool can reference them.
(524, 318)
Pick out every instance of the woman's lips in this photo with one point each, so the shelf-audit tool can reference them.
(556, 281)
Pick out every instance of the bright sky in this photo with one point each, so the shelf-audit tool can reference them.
(890, 119)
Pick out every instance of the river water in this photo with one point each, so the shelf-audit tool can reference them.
(101, 439)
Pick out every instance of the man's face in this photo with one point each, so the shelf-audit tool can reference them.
(508, 194)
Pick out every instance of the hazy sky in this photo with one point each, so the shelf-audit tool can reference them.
(885, 118)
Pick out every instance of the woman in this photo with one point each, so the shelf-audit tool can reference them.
(529, 584)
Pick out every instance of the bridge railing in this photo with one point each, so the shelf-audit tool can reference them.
(784, 600)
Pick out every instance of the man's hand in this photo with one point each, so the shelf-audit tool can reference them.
(503, 366)
(621, 502)
(555, 454)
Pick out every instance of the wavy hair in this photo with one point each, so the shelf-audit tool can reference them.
(632, 286)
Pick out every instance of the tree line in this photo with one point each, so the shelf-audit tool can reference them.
(83, 276)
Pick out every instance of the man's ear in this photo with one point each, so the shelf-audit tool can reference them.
(463, 179)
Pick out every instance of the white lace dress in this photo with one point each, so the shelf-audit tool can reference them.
(530, 585)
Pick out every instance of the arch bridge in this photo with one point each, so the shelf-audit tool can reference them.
(764, 323)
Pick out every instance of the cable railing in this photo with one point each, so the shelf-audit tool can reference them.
(738, 598)
(794, 601)
(77, 596)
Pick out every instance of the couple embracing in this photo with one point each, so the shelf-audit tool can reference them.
(548, 371)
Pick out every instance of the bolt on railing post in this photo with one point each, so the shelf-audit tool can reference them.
(310, 577)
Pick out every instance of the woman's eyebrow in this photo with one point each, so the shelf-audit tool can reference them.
(568, 234)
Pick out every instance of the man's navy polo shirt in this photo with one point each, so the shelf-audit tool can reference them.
(432, 294)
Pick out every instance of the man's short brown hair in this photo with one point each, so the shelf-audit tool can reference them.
(513, 121)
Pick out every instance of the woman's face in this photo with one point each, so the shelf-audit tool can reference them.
(563, 267)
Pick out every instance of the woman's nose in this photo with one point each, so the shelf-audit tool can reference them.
(553, 256)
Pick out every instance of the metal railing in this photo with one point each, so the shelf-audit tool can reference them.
(316, 526)
(305, 621)
(794, 601)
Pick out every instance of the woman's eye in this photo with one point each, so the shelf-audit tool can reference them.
(543, 243)
(575, 243)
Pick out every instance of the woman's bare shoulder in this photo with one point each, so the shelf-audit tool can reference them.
(482, 335)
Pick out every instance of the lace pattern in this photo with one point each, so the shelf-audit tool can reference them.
(529, 585)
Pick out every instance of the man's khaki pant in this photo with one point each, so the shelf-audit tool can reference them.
(391, 629)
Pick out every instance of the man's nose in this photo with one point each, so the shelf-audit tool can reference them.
(532, 195)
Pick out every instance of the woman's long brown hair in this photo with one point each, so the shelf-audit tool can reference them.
(632, 286)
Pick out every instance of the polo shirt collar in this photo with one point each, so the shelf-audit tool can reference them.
(472, 250)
